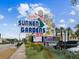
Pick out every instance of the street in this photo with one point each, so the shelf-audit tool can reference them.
(6, 46)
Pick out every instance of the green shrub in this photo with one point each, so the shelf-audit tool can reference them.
(38, 47)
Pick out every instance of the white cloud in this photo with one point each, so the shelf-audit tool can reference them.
(19, 16)
(9, 9)
(32, 9)
(34, 5)
(63, 25)
(10, 35)
(62, 21)
(15, 24)
(23, 8)
(71, 20)
(73, 12)
(1, 17)
(5, 24)
(77, 7)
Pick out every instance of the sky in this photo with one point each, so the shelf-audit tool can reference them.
(64, 14)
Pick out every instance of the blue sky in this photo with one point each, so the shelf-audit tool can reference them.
(64, 14)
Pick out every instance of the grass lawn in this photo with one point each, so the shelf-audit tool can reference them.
(33, 54)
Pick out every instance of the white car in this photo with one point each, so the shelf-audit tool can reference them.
(74, 49)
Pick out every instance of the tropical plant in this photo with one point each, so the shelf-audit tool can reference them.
(69, 32)
(57, 31)
(73, 2)
(61, 31)
(77, 26)
(77, 31)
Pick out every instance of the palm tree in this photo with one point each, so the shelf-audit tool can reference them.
(69, 31)
(77, 27)
(77, 31)
(73, 2)
(61, 31)
(57, 31)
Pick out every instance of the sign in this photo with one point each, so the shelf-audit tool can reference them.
(41, 23)
(40, 13)
(31, 26)
(37, 39)
(38, 34)
(48, 38)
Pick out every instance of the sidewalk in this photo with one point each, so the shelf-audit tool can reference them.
(20, 53)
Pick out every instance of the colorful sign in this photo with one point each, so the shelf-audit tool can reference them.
(37, 39)
(48, 38)
(31, 26)
(37, 23)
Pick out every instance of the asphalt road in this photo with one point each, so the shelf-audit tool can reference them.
(6, 46)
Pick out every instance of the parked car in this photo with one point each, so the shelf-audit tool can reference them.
(74, 49)
(59, 45)
(70, 44)
(67, 44)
